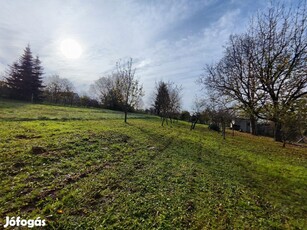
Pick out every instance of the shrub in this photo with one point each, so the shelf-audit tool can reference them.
(214, 127)
(185, 116)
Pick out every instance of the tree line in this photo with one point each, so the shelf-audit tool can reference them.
(24, 81)
(262, 75)
(120, 90)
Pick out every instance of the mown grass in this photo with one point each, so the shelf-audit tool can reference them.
(94, 171)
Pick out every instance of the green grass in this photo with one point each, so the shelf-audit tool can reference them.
(84, 168)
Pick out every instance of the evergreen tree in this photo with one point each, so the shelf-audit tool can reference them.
(26, 70)
(162, 100)
(37, 82)
(14, 81)
(25, 77)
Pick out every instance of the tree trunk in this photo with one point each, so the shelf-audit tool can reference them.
(277, 132)
(125, 116)
(253, 126)
(224, 130)
(193, 124)
(284, 143)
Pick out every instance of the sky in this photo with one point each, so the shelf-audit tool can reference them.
(168, 40)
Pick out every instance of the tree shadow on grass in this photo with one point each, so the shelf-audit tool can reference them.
(268, 188)
(44, 118)
(10, 104)
(40, 119)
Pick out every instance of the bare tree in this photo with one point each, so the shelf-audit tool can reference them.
(58, 90)
(280, 60)
(108, 90)
(130, 88)
(175, 104)
(220, 110)
(198, 106)
(294, 121)
(264, 70)
(119, 90)
(101, 87)
(234, 77)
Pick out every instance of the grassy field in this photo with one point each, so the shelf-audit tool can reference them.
(85, 169)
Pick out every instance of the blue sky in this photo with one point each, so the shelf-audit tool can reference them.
(168, 40)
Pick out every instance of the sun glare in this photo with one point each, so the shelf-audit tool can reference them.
(71, 49)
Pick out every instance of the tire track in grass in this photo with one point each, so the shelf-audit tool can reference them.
(68, 180)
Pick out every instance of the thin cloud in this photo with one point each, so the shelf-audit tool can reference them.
(170, 40)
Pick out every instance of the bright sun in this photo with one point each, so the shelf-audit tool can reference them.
(70, 48)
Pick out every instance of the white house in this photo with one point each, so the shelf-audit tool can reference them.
(241, 124)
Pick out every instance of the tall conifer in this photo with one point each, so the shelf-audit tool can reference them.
(25, 77)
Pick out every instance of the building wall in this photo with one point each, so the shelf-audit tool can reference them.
(242, 125)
